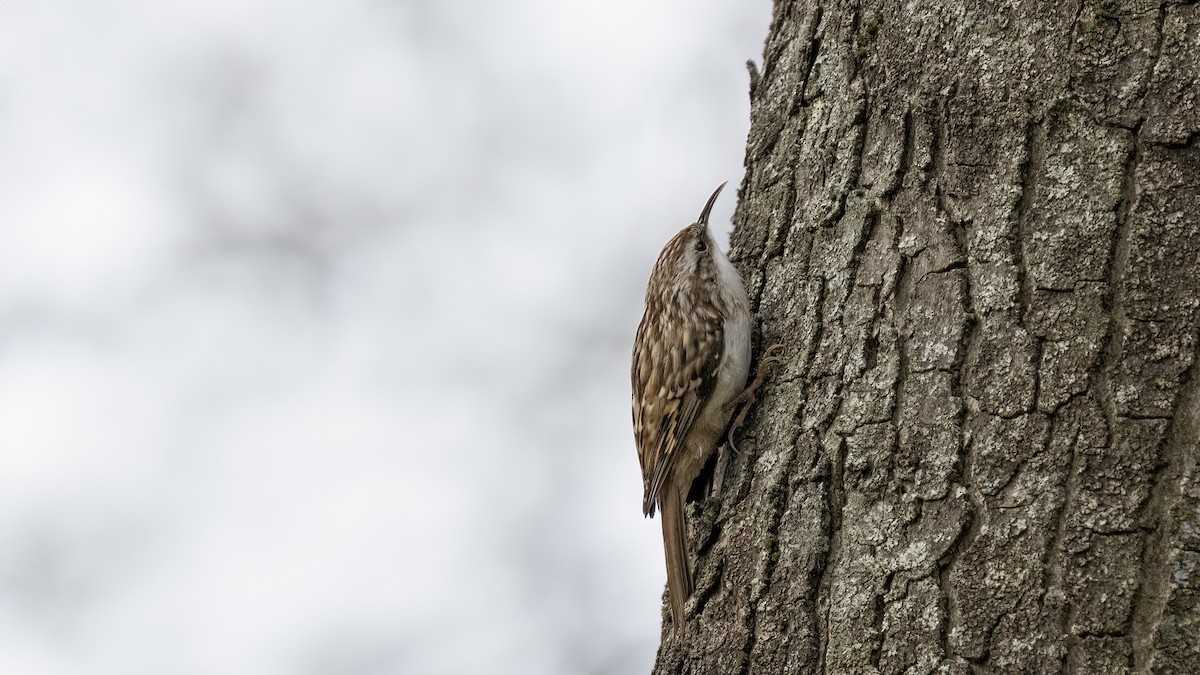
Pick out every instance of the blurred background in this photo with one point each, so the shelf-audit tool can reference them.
(315, 323)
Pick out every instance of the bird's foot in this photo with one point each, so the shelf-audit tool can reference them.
(746, 400)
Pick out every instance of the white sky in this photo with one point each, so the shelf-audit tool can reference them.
(315, 323)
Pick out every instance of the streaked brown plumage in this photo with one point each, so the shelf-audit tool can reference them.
(691, 358)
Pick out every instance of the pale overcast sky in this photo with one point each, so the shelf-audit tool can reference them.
(315, 321)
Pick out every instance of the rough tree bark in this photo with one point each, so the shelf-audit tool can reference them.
(976, 228)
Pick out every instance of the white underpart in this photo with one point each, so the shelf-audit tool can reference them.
(735, 366)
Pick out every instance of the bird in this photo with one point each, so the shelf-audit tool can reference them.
(691, 359)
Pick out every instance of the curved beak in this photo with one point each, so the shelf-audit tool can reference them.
(708, 206)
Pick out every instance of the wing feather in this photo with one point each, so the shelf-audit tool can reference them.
(674, 371)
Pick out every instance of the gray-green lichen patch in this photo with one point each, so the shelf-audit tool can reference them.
(976, 231)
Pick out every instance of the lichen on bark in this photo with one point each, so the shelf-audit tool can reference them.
(976, 230)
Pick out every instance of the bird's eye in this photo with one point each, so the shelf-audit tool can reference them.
(701, 245)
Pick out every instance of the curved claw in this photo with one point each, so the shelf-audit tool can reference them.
(748, 396)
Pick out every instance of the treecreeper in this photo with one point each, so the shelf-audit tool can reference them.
(691, 360)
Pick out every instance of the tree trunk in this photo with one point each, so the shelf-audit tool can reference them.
(975, 229)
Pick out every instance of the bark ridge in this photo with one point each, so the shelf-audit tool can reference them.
(976, 228)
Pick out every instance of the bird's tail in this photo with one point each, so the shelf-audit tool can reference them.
(679, 571)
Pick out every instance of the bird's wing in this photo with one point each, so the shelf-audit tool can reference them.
(674, 371)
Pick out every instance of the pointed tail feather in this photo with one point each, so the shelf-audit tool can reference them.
(679, 571)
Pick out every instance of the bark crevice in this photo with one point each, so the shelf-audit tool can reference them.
(977, 235)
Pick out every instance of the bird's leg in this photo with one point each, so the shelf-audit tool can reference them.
(745, 401)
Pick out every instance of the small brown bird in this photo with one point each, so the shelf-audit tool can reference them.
(691, 359)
